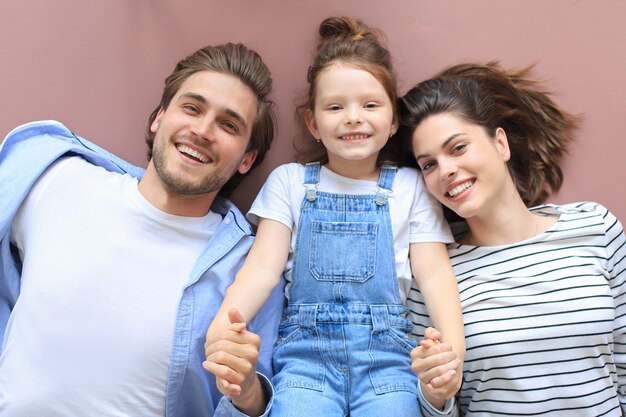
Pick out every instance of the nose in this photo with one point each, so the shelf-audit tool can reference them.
(447, 169)
(353, 116)
(203, 127)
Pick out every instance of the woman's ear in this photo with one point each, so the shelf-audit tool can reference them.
(309, 119)
(502, 144)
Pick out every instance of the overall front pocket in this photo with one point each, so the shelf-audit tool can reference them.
(343, 251)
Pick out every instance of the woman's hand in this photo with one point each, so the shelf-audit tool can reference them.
(438, 368)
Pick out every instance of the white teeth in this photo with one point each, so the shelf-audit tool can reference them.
(187, 150)
(460, 188)
(354, 137)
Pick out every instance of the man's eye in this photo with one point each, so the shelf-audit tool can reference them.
(190, 108)
(230, 126)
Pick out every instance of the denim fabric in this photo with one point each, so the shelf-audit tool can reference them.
(343, 346)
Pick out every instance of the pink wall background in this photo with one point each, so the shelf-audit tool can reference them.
(98, 66)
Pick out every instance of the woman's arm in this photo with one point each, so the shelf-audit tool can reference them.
(436, 365)
(616, 271)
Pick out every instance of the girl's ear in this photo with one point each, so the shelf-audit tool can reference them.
(394, 127)
(502, 144)
(309, 119)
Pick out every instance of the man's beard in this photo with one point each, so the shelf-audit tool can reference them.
(212, 182)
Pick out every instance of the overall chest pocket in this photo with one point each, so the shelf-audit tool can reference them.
(343, 251)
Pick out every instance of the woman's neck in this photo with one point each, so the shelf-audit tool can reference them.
(506, 223)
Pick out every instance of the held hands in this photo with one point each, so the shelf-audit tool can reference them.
(438, 367)
(232, 356)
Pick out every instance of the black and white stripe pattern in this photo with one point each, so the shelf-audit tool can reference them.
(545, 319)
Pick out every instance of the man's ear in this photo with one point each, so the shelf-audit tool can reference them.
(246, 162)
(502, 144)
(309, 119)
(154, 126)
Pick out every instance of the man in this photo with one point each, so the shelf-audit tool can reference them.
(110, 276)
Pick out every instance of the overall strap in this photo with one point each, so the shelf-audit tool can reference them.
(311, 180)
(385, 183)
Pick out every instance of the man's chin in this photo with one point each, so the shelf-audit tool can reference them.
(183, 186)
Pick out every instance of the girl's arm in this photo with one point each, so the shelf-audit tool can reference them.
(436, 281)
(260, 273)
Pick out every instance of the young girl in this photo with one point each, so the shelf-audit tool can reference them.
(542, 289)
(342, 230)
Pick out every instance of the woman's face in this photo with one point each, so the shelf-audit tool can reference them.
(463, 166)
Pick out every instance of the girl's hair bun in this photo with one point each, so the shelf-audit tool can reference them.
(344, 27)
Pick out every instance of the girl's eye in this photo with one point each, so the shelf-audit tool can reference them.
(371, 105)
(334, 107)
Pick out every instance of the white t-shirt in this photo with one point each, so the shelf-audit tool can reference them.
(415, 215)
(103, 272)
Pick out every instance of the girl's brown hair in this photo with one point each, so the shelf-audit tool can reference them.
(348, 41)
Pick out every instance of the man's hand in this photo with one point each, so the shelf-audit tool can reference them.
(438, 368)
(232, 358)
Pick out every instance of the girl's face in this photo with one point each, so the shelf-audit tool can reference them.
(353, 117)
(463, 167)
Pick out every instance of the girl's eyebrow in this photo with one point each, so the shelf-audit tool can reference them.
(443, 145)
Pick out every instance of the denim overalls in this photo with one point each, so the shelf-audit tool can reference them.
(342, 346)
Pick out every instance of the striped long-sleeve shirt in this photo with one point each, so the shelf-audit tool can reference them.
(545, 319)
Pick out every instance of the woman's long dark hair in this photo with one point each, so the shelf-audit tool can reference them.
(538, 130)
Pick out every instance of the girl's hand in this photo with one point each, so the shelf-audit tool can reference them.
(232, 357)
(438, 368)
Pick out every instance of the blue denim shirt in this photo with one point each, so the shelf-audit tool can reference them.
(26, 153)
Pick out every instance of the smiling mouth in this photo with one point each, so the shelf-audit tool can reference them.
(192, 154)
(460, 188)
(355, 136)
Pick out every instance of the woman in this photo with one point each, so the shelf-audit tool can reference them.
(542, 289)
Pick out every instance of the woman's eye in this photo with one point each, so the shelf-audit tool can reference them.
(427, 165)
(459, 148)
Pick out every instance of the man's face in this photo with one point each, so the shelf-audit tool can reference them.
(201, 138)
